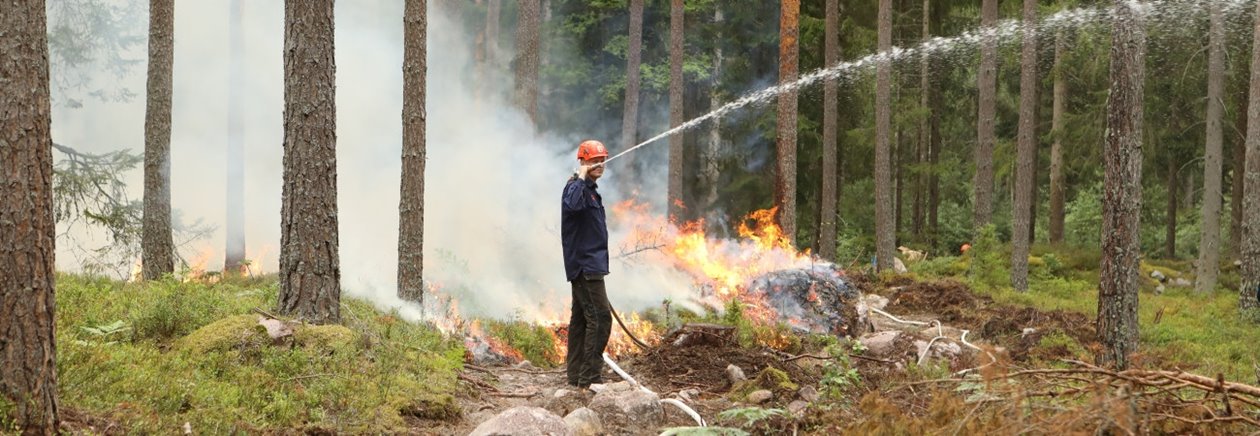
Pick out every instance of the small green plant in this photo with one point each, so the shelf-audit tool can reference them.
(750, 415)
(839, 376)
(103, 332)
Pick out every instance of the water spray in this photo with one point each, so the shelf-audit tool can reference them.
(1003, 30)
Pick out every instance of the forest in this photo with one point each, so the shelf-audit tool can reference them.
(823, 217)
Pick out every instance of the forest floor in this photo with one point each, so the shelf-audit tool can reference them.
(188, 357)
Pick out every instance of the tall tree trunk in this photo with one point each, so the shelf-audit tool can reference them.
(785, 184)
(898, 166)
(676, 200)
(884, 238)
(634, 56)
(527, 57)
(157, 247)
(1210, 224)
(1122, 197)
(982, 212)
(1237, 165)
(28, 370)
(310, 270)
(1026, 152)
(411, 199)
(924, 140)
(1057, 200)
(494, 9)
(1170, 214)
(934, 152)
(1249, 290)
(709, 162)
(234, 228)
(831, 106)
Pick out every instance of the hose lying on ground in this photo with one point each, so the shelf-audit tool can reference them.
(679, 404)
(627, 330)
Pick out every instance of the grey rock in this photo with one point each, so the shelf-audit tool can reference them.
(1182, 282)
(689, 395)
(880, 343)
(633, 409)
(760, 396)
(797, 408)
(808, 393)
(523, 421)
(584, 422)
(1159, 289)
(1155, 274)
(735, 374)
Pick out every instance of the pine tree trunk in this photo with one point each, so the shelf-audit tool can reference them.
(982, 184)
(634, 56)
(1237, 165)
(234, 224)
(676, 201)
(157, 246)
(1057, 194)
(1249, 291)
(1122, 197)
(924, 140)
(709, 162)
(310, 270)
(411, 199)
(527, 57)
(1170, 214)
(1026, 150)
(884, 238)
(831, 107)
(1210, 224)
(785, 183)
(28, 371)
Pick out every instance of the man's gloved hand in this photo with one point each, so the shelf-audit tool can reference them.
(582, 171)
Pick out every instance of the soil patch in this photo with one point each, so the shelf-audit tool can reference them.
(949, 299)
(703, 366)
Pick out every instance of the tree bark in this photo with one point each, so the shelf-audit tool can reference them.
(310, 270)
(1026, 151)
(676, 200)
(1122, 197)
(1237, 165)
(925, 132)
(234, 228)
(934, 153)
(1170, 214)
(709, 162)
(884, 238)
(634, 56)
(28, 371)
(1210, 224)
(831, 108)
(785, 184)
(157, 247)
(411, 198)
(982, 184)
(1249, 291)
(527, 57)
(1057, 194)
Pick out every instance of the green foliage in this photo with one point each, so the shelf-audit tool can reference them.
(839, 376)
(532, 340)
(703, 431)
(749, 416)
(364, 376)
(990, 261)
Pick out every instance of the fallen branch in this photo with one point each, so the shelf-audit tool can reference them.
(514, 394)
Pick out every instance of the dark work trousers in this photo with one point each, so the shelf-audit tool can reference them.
(589, 327)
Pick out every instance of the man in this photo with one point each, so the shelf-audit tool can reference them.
(584, 234)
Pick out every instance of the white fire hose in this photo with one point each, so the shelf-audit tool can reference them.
(679, 404)
(940, 333)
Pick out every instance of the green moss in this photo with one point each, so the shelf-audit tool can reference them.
(772, 379)
(231, 333)
(327, 337)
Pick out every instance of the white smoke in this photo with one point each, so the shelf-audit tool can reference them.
(492, 183)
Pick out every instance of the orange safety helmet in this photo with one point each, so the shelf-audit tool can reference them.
(591, 149)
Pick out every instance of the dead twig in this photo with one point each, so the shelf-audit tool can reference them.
(514, 394)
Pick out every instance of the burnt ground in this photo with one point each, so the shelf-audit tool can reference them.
(669, 369)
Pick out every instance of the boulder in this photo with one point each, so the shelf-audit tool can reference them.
(1182, 282)
(808, 393)
(1155, 274)
(633, 409)
(880, 343)
(584, 422)
(523, 421)
(734, 374)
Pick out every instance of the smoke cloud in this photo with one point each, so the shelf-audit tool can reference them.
(492, 183)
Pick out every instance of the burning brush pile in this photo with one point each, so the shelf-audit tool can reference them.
(761, 270)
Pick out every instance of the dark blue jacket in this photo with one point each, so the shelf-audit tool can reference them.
(583, 229)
